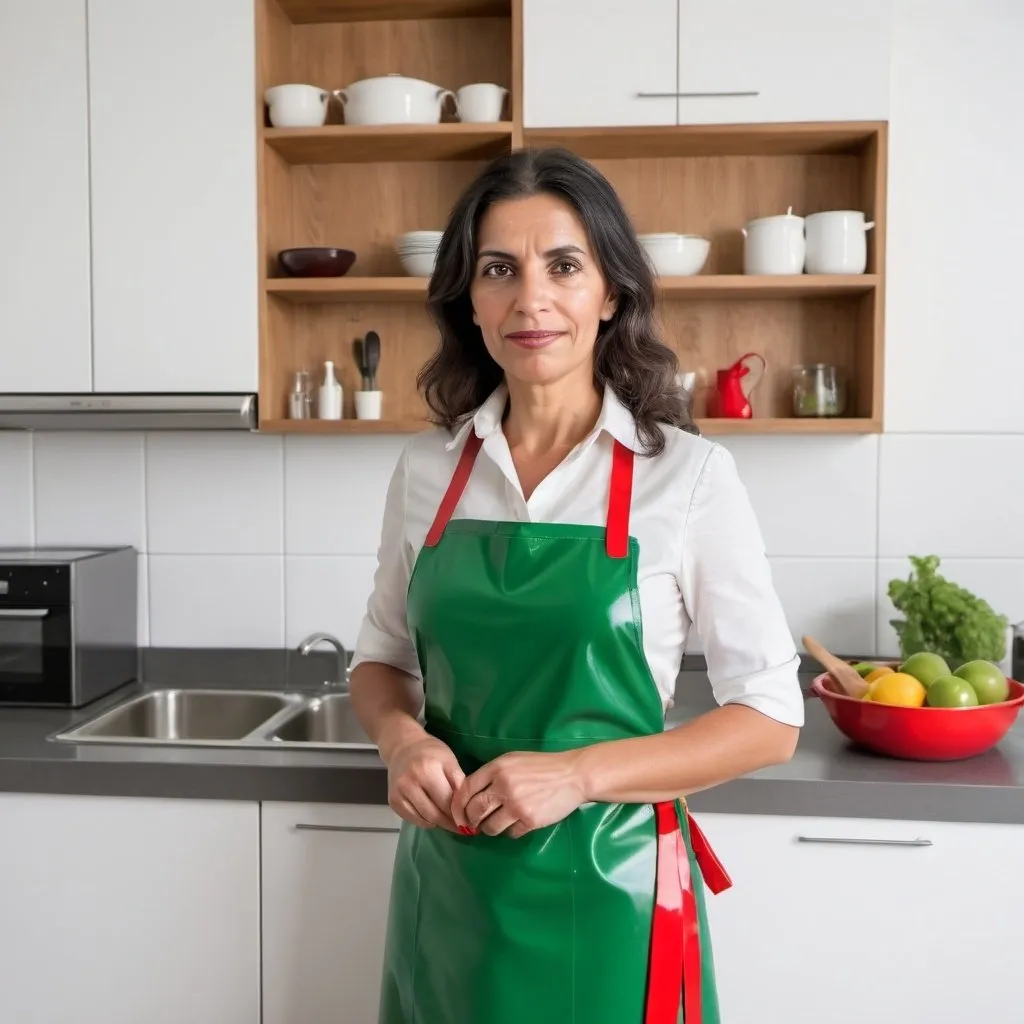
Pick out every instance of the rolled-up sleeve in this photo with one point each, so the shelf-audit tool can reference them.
(727, 588)
(384, 633)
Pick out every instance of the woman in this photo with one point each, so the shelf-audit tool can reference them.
(543, 555)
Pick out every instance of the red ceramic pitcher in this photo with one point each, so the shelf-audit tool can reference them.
(728, 400)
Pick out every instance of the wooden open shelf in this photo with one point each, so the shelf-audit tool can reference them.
(709, 427)
(700, 286)
(761, 140)
(307, 12)
(385, 143)
(359, 188)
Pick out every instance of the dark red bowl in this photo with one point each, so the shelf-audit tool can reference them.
(919, 734)
(316, 261)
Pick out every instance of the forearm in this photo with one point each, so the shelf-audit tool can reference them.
(386, 701)
(723, 744)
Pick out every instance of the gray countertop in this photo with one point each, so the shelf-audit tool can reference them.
(826, 776)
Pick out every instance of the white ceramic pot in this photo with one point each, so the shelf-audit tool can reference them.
(393, 99)
(774, 245)
(369, 404)
(480, 103)
(837, 242)
(296, 106)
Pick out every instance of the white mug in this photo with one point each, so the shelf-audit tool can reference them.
(368, 405)
(774, 245)
(480, 102)
(297, 106)
(837, 242)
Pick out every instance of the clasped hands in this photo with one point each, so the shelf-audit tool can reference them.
(512, 795)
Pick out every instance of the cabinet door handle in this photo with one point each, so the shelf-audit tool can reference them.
(864, 842)
(377, 829)
(694, 95)
(24, 613)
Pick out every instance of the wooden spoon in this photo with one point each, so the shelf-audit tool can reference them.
(845, 675)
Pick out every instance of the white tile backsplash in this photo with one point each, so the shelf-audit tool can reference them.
(832, 600)
(327, 592)
(211, 493)
(952, 496)
(90, 489)
(216, 600)
(16, 503)
(812, 495)
(248, 541)
(334, 493)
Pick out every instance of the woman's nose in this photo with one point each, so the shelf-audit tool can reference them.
(533, 292)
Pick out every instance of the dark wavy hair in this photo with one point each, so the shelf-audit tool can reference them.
(629, 355)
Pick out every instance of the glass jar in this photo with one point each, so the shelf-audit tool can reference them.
(300, 399)
(818, 390)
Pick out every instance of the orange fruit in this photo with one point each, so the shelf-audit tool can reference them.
(898, 688)
(877, 673)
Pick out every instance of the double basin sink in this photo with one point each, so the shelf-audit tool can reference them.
(226, 718)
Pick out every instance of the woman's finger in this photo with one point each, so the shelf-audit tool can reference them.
(472, 785)
(405, 810)
(496, 823)
(424, 805)
(481, 806)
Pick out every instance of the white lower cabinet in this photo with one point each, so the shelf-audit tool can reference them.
(847, 920)
(142, 911)
(326, 884)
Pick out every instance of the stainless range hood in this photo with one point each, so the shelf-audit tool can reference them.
(87, 411)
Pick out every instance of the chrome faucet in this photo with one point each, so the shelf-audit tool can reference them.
(313, 639)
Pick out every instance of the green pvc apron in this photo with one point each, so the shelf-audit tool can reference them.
(530, 639)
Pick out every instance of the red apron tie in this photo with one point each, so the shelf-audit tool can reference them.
(675, 958)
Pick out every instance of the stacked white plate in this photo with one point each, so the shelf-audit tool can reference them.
(676, 255)
(418, 251)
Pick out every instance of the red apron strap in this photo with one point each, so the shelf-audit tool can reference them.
(665, 970)
(455, 488)
(620, 495)
(675, 958)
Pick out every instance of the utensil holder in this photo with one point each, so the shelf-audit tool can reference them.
(368, 405)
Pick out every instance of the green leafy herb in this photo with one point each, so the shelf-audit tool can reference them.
(943, 617)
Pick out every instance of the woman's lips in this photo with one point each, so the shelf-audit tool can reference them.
(532, 339)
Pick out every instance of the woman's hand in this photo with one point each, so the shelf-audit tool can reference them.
(519, 792)
(423, 775)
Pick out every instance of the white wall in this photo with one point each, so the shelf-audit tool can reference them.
(260, 540)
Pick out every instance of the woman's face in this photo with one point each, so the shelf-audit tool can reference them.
(538, 294)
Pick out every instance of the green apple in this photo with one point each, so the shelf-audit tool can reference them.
(925, 667)
(864, 667)
(986, 679)
(951, 692)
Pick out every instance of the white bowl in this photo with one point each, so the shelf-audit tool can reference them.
(393, 99)
(678, 256)
(418, 264)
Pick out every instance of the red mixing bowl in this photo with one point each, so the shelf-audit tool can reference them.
(919, 734)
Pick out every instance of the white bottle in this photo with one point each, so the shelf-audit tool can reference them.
(329, 405)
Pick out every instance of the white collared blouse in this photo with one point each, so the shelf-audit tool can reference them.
(702, 560)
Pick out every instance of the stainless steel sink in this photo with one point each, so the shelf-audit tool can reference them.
(326, 721)
(180, 716)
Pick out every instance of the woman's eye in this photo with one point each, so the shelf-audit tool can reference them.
(566, 267)
(499, 270)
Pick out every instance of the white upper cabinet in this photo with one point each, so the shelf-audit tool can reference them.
(803, 60)
(586, 62)
(44, 199)
(173, 135)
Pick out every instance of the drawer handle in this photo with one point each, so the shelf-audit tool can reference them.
(693, 95)
(376, 829)
(864, 842)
